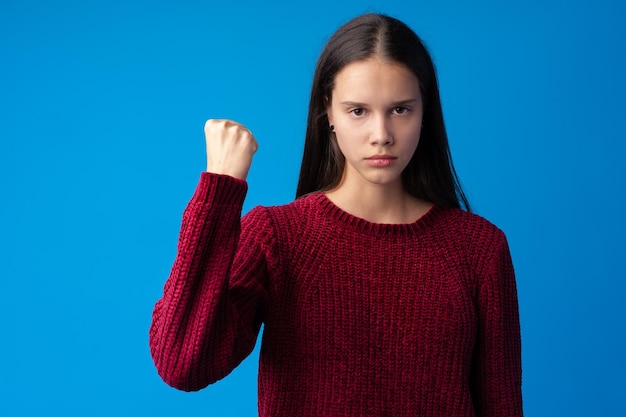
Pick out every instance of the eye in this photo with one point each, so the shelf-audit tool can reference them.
(357, 111)
(401, 110)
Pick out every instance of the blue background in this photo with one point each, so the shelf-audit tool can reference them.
(101, 115)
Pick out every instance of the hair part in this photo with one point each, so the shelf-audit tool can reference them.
(430, 175)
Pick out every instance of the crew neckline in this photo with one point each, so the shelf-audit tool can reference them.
(339, 215)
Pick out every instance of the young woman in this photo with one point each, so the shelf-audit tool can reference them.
(378, 294)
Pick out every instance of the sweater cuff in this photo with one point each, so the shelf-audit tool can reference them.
(220, 189)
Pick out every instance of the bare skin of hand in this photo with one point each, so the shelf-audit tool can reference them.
(229, 148)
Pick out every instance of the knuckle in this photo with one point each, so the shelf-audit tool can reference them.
(212, 125)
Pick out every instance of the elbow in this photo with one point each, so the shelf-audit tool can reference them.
(181, 381)
(181, 375)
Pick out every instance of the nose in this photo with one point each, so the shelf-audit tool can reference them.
(381, 131)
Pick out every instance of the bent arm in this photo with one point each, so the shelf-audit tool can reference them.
(198, 334)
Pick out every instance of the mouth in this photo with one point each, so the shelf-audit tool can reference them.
(381, 160)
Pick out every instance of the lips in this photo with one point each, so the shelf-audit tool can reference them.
(380, 161)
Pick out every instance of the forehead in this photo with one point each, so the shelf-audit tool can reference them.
(375, 79)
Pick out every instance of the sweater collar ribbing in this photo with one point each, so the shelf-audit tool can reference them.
(327, 208)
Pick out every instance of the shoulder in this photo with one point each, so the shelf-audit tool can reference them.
(476, 240)
(281, 229)
(470, 229)
(284, 217)
(468, 223)
(285, 213)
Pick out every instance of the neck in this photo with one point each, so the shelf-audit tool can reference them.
(387, 204)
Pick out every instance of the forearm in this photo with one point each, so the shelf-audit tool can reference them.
(194, 327)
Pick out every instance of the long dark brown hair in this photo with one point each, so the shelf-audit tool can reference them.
(430, 175)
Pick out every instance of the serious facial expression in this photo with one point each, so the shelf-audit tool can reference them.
(376, 110)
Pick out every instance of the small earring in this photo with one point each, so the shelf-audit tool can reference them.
(332, 128)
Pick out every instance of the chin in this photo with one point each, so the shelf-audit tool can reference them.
(386, 180)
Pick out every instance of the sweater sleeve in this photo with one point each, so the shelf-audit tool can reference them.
(209, 316)
(497, 369)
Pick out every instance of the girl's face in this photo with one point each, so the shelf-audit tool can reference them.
(376, 110)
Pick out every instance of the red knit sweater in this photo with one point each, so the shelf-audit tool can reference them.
(360, 319)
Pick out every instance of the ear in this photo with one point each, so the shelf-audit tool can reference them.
(329, 113)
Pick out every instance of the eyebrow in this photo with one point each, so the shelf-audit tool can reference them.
(395, 103)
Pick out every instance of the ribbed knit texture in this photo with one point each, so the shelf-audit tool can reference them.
(360, 319)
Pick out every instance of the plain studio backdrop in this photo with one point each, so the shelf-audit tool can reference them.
(101, 115)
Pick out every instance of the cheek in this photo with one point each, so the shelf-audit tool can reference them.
(341, 144)
(350, 147)
(338, 144)
(411, 134)
(412, 142)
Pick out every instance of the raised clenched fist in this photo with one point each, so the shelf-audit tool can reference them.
(229, 148)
